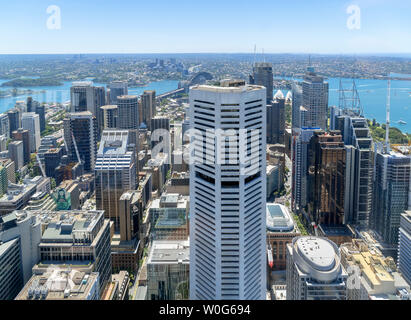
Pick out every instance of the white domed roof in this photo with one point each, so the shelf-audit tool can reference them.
(289, 96)
(318, 251)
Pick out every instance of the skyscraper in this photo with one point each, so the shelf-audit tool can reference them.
(300, 144)
(23, 135)
(391, 187)
(16, 153)
(115, 172)
(276, 122)
(227, 191)
(14, 120)
(109, 114)
(404, 247)
(83, 126)
(30, 121)
(326, 178)
(127, 112)
(86, 97)
(117, 88)
(359, 166)
(148, 107)
(4, 125)
(263, 76)
(314, 270)
(40, 110)
(312, 95)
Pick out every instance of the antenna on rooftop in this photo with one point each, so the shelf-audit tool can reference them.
(255, 52)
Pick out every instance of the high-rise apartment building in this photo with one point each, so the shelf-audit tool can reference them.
(228, 191)
(391, 188)
(314, 270)
(115, 172)
(263, 76)
(30, 121)
(83, 126)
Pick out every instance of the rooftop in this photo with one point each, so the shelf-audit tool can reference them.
(166, 252)
(279, 218)
(56, 283)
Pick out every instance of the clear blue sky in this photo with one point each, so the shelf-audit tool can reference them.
(156, 26)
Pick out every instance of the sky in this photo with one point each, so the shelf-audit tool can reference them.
(194, 26)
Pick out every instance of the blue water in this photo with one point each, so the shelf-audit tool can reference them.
(62, 93)
(373, 97)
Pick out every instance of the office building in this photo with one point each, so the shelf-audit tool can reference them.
(126, 247)
(115, 172)
(30, 122)
(109, 114)
(376, 278)
(83, 126)
(276, 122)
(297, 100)
(404, 247)
(3, 180)
(359, 165)
(160, 133)
(227, 195)
(77, 238)
(17, 197)
(4, 125)
(23, 135)
(391, 190)
(299, 157)
(86, 97)
(11, 280)
(326, 178)
(20, 235)
(314, 270)
(47, 143)
(10, 168)
(117, 88)
(117, 289)
(263, 76)
(127, 112)
(168, 270)
(312, 95)
(55, 282)
(52, 160)
(148, 107)
(281, 230)
(14, 120)
(41, 111)
(16, 153)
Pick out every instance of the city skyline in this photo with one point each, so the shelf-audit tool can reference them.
(338, 27)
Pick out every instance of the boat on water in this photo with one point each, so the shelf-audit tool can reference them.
(402, 122)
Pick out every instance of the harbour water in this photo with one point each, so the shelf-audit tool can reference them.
(373, 96)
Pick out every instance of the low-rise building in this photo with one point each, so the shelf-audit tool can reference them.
(61, 282)
(376, 276)
(168, 270)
